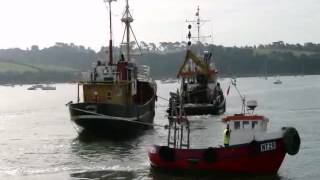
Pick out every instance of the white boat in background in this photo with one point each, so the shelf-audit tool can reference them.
(169, 81)
(42, 87)
(48, 87)
(32, 88)
(12, 85)
(35, 87)
(278, 81)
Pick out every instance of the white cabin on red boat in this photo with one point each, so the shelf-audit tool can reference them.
(246, 128)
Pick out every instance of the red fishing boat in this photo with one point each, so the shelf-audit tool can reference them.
(252, 149)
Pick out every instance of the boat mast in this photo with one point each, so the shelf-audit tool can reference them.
(110, 41)
(127, 19)
(128, 30)
(198, 21)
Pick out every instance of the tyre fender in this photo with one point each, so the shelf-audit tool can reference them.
(254, 148)
(166, 153)
(291, 140)
(209, 155)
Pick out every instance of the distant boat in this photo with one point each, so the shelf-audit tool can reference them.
(32, 88)
(169, 81)
(35, 87)
(278, 81)
(12, 85)
(40, 86)
(48, 87)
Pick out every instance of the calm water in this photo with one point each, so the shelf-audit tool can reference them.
(38, 141)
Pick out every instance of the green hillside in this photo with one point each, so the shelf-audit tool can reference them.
(268, 51)
(22, 68)
(64, 62)
(17, 68)
(55, 68)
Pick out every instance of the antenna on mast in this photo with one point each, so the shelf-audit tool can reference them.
(198, 21)
(110, 41)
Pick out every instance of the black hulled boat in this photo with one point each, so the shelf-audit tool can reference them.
(118, 98)
(200, 89)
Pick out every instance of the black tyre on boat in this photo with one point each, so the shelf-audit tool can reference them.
(291, 140)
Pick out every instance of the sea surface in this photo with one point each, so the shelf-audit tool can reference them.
(38, 140)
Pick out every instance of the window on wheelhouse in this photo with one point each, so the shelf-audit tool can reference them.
(236, 125)
(254, 124)
(246, 125)
(109, 95)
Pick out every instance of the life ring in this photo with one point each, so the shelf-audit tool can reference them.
(291, 140)
(209, 155)
(166, 153)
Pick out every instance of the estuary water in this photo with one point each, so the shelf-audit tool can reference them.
(38, 140)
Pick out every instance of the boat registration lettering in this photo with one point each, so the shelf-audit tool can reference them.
(269, 146)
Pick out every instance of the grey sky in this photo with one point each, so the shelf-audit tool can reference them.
(84, 22)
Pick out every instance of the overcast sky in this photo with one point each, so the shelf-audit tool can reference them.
(84, 22)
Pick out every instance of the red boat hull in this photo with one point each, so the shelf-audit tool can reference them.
(256, 157)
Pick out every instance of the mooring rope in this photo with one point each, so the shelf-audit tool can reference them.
(193, 92)
(75, 128)
(163, 98)
(131, 120)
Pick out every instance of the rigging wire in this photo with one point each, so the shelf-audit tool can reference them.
(124, 119)
(131, 120)
(163, 98)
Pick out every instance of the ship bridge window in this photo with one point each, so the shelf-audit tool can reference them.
(254, 124)
(105, 71)
(245, 125)
(109, 95)
(236, 125)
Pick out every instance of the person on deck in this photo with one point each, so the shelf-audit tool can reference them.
(217, 94)
(122, 58)
(226, 136)
(218, 90)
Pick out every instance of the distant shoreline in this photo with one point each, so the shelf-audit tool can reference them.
(157, 79)
(64, 62)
